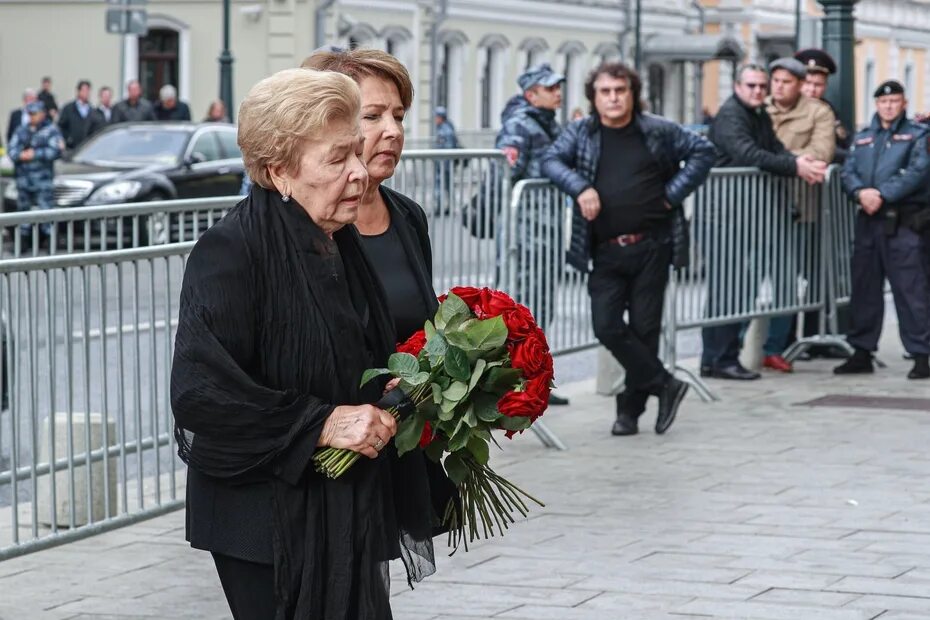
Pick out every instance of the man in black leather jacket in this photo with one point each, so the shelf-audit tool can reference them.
(623, 168)
(743, 134)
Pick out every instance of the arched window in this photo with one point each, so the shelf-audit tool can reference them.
(604, 52)
(534, 52)
(572, 91)
(397, 43)
(450, 65)
(159, 53)
(491, 53)
(360, 35)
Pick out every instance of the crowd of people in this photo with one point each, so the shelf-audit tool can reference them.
(38, 133)
(629, 171)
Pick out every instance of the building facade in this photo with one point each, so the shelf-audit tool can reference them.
(474, 48)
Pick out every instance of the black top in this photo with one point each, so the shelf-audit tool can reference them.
(395, 269)
(629, 183)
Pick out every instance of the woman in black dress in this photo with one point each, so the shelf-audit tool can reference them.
(393, 227)
(281, 312)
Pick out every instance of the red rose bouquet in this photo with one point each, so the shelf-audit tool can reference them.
(481, 364)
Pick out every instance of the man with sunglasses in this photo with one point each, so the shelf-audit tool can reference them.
(743, 134)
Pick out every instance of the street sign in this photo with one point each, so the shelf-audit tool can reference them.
(127, 21)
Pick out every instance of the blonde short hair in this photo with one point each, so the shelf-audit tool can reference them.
(283, 111)
(360, 63)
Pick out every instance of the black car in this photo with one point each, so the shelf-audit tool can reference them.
(142, 162)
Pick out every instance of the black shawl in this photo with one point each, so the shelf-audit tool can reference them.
(277, 323)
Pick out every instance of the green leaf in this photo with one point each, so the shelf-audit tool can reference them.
(479, 449)
(371, 373)
(436, 349)
(418, 379)
(408, 434)
(470, 419)
(443, 380)
(514, 424)
(457, 365)
(488, 334)
(460, 340)
(502, 379)
(435, 449)
(480, 365)
(452, 308)
(485, 406)
(447, 409)
(403, 365)
(460, 437)
(437, 393)
(429, 331)
(456, 392)
(456, 468)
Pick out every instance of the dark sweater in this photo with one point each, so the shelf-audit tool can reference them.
(629, 183)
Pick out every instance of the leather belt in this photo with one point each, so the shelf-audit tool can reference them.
(625, 240)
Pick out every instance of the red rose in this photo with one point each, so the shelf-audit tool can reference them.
(414, 344)
(519, 321)
(469, 294)
(427, 436)
(531, 356)
(495, 303)
(521, 404)
(539, 388)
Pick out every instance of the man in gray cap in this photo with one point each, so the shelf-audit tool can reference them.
(528, 127)
(34, 149)
(805, 126)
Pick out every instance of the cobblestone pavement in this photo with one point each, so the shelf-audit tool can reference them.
(754, 507)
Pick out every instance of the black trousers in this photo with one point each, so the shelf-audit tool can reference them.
(632, 278)
(249, 587)
(901, 258)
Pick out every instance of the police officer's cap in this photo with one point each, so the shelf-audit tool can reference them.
(816, 61)
(791, 65)
(441, 111)
(889, 87)
(35, 106)
(540, 74)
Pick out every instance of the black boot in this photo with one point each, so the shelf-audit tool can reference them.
(625, 424)
(921, 369)
(860, 363)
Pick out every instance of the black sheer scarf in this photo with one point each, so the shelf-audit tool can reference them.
(277, 323)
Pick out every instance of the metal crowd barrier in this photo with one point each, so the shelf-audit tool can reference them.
(108, 227)
(87, 443)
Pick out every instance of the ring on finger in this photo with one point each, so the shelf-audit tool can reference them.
(379, 444)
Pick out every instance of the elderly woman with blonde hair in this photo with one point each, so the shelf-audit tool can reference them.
(281, 312)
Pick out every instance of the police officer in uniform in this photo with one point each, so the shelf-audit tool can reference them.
(34, 149)
(820, 66)
(888, 174)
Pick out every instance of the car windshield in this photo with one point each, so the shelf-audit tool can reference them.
(146, 146)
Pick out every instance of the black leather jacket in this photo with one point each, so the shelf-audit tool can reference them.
(571, 163)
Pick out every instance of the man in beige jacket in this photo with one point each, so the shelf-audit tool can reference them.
(806, 127)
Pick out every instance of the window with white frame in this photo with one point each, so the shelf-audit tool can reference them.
(491, 54)
(397, 43)
(572, 89)
(450, 65)
(534, 52)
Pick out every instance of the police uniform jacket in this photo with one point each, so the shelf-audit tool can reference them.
(895, 161)
(805, 129)
(45, 141)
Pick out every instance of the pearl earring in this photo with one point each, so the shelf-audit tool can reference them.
(285, 197)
